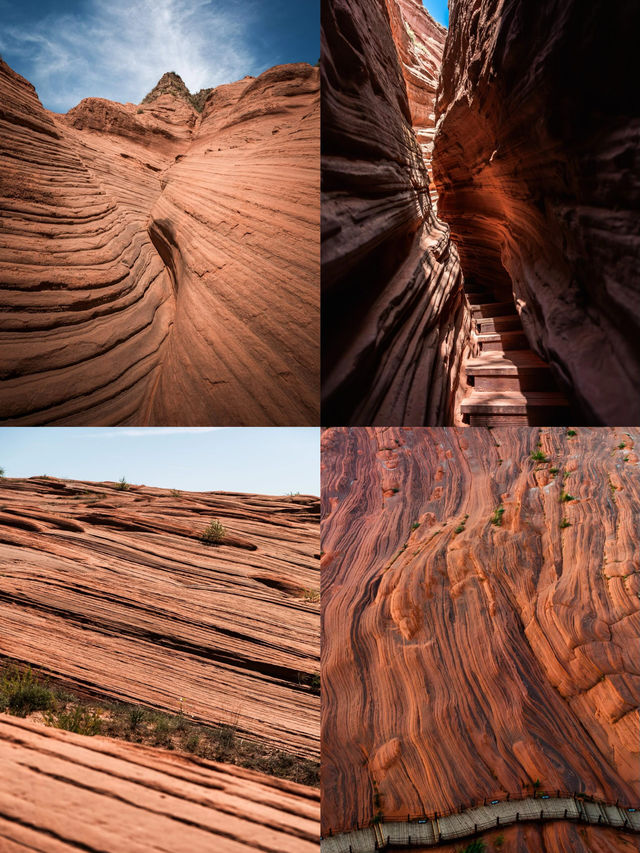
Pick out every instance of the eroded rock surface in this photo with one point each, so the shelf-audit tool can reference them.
(114, 592)
(61, 792)
(481, 620)
(159, 266)
(536, 160)
(394, 317)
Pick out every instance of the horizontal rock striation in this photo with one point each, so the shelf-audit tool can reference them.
(395, 320)
(61, 792)
(536, 163)
(104, 318)
(481, 614)
(113, 592)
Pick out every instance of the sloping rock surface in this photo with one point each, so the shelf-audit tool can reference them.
(395, 322)
(481, 618)
(159, 266)
(61, 792)
(113, 592)
(536, 160)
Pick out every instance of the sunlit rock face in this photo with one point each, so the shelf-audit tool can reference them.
(395, 322)
(160, 265)
(537, 165)
(481, 620)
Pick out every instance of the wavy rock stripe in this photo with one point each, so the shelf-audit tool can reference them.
(463, 658)
(468, 823)
(62, 792)
(113, 592)
(536, 164)
(395, 322)
(158, 266)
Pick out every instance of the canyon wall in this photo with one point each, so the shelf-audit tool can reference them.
(225, 632)
(480, 623)
(161, 266)
(537, 165)
(394, 316)
(61, 792)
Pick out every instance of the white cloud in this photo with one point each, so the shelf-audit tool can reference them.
(120, 48)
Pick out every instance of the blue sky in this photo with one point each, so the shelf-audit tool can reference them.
(438, 9)
(269, 461)
(118, 49)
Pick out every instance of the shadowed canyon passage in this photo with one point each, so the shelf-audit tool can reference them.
(480, 612)
(161, 265)
(534, 150)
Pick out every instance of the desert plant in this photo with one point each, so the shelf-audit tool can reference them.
(192, 742)
(136, 716)
(311, 595)
(565, 523)
(538, 456)
(1, 473)
(80, 720)
(498, 842)
(215, 532)
(415, 525)
(565, 497)
(122, 485)
(571, 433)
(21, 693)
(621, 446)
(553, 470)
(459, 528)
(476, 846)
(496, 518)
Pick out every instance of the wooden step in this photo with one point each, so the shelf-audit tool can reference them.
(493, 309)
(478, 298)
(518, 370)
(505, 408)
(501, 341)
(498, 324)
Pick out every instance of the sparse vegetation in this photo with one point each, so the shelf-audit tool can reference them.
(414, 526)
(214, 533)
(311, 595)
(77, 719)
(622, 445)
(538, 456)
(553, 470)
(176, 493)
(460, 527)
(496, 518)
(498, 842)
(122, 485)
(571, 433)
(565, 497)
(395, 491)
(476, 846)
(1, 473)
(565, 523)
(21, 693)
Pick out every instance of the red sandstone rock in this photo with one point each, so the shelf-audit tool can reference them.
(536, 162)
(113, 592)
(395, 319)
(464, 658)
(159, 266)
(61, 792)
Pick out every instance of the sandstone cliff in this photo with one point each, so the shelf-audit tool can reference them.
(394, 317)
(60, 792)
(160, 266)
(536, 162)
(481, 616)
(226, 632)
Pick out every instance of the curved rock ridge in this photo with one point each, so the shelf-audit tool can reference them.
(536, 163)
(61, 792)
(158, 266)
(480, 618)
(229, 632)
(394, 316)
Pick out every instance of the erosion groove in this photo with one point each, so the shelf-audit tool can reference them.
(480, 610)
(140, 799)
(157, 265)
(171, 622)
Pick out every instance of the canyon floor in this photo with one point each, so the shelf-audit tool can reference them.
(181, 656)
(160, 265)
(481, 615)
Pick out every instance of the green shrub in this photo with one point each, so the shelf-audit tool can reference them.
(459, 528)
(565, 497)
(496, 518)
(122, 485)
(80, 720)
(553, 470)
(311, 595)
(476, 846)
(621, 446)
(415, 525)
(1, 472)
(21, 693)
(565, 523)
(215, 532)
(136, 716)
(571, 433)
(538, 456)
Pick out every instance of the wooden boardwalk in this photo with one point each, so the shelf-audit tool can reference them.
(426, 831)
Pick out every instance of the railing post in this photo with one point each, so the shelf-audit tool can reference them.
(565, 814)
(517, 816)
(498, 821)
(541, 814)
(475, 827)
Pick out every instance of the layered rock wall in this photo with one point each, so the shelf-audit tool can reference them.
(158, 266)
(394, 318)
(481, 616)
(537, 165)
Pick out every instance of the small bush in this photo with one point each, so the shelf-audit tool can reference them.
(311, 595)
(80, 720)
(496, 518)
(553, 470)
(571, 433)
(1, 472)
(136, 716)
(20, 692)
(476, 846)
(459, 528)
(192, 743)
(621, 446)
(415, 525)
(565, 523)
(122, 485)
(139, 110)
(565, 497)
(176, 493)
(538, 456)
(215, 532)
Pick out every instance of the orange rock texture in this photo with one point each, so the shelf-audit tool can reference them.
(395, 321)
(536, 163)
(481, 622)
(62, 792)
(113, 592)
(160, 266)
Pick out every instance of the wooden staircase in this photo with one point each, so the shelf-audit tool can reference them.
(511, 384)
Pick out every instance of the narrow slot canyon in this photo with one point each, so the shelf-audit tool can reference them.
(480, 214)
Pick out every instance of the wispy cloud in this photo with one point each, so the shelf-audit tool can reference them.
(118, 49)
(143, 432)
